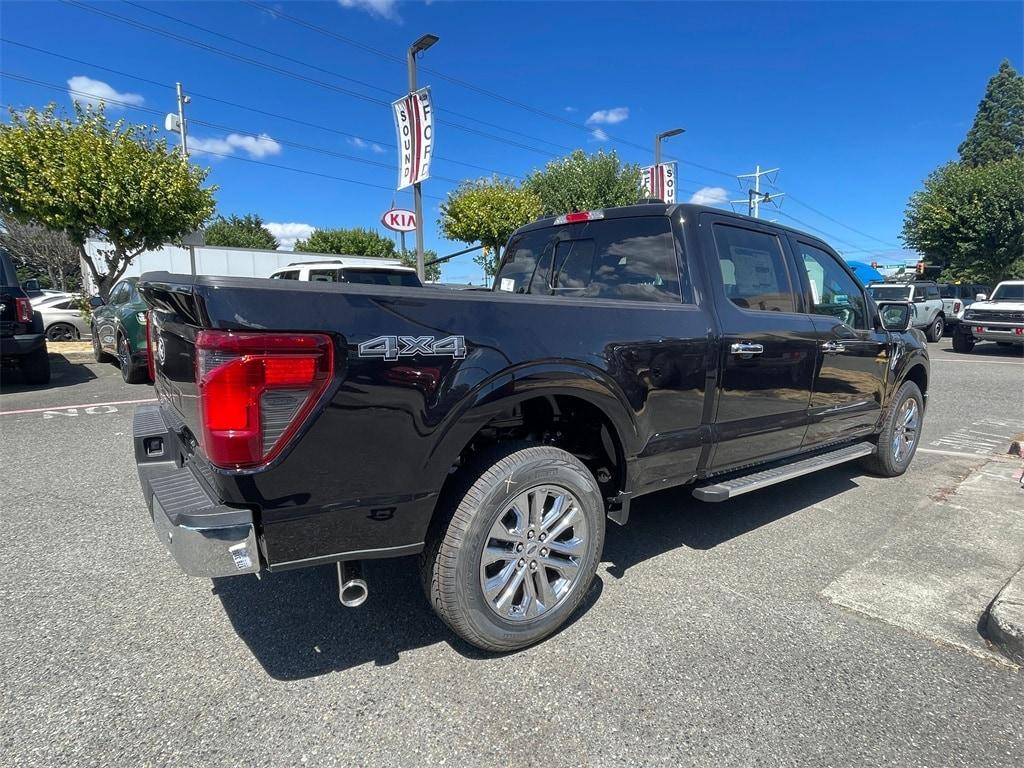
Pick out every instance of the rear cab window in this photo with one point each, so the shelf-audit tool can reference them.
(626, 259)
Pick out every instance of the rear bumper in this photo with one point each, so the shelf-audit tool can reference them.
(21, 344)
(205, 537)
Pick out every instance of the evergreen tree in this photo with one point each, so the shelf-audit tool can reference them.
(998, 130)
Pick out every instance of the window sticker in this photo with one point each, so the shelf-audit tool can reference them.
(508, 285)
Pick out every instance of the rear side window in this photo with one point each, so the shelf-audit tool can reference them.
(933, 292)
(627, 259)
(323, 275)
(919, 293)
(289, 275)
(380, 277)
(753, 269)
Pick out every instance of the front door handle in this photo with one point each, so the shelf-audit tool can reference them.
(833, 347)
(746, 348)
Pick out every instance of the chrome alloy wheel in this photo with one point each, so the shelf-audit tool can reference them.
(531, 559)
(904, 436)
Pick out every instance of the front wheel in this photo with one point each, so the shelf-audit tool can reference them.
(901, 432)
(936, 329)
(962, 342)
(513, 557)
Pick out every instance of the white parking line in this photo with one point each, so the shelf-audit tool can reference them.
(80, 405)
(977, 362)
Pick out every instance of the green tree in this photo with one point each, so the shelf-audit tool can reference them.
(487, 211)
(87, 177)
(998, 130)
(356, 241)
(240, 232)
(432, 272)
(582, 182)
(970, 219)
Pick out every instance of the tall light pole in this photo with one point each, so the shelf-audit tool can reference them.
(422, 44)
(655, 175)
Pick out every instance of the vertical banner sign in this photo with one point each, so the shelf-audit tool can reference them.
(414, 124)
(661, 184)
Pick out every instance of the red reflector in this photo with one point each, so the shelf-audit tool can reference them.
(238, 374)
(150, 364)
(980, 329)
(23, 310)
(1019, 331)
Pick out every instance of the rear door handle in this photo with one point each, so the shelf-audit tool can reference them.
(833, 347)
(746, 348)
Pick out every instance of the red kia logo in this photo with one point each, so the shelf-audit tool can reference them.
(399, 220)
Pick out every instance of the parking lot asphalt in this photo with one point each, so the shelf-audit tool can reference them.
(706, 639)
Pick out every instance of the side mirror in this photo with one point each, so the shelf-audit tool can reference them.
(980, 297)
(31, 285)
(895, 316)
(95, 302)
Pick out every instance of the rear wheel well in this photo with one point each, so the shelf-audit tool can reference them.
(563, 421)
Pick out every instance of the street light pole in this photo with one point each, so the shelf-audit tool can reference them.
(422, 44)
(656, 174)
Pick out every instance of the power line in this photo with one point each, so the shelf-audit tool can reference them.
(296, 75)
(236, 105)
(841, 224)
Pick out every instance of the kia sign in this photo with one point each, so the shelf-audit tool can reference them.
(414, 124)
(664, 182)
(399, 220)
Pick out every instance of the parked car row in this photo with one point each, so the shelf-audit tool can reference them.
(998, 318)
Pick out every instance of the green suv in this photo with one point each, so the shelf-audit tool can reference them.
(119, 330)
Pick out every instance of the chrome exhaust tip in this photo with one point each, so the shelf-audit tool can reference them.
(352, 587)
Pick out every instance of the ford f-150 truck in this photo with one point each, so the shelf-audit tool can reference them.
(620, 352)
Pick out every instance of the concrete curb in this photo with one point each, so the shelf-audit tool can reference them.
(1005, 620)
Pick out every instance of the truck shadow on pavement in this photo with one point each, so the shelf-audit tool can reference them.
(296, 628)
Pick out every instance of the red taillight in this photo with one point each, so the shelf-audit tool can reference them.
(256, 389)
(149, 346)
(575, 218)
(23, 310)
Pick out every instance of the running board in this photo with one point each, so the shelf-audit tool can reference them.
(737, 486)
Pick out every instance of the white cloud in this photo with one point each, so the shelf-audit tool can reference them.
(570, 109)
(289, 232)
(383, 8)
(608, 116)
(255, 147)
(89, 93)
(358, 143)
(598, 135)
(709, 196)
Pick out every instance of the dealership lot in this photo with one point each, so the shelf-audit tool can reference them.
(757, 631)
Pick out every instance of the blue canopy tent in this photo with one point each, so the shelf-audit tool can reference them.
(865, 272)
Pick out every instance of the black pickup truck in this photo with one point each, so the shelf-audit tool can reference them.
(621, 352)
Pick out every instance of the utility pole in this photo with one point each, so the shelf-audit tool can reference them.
(422, 44)
(754, 195)
(182, 101)
(656, 189)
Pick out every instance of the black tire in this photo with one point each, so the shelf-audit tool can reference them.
(884, 461)
(452, 568)
(35, 367)
(62, 332)
(97, 350)
(962, 342)
(936, 329)
(130, 372)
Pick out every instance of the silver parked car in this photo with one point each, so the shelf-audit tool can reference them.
(63, 321)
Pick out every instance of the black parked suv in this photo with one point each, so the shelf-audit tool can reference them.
(22, 342)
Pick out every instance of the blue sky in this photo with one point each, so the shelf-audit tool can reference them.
(855, 102)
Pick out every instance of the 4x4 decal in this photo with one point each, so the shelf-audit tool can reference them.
(394, 347)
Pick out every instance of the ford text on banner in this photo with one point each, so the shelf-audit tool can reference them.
(664, 186)
(414, 123)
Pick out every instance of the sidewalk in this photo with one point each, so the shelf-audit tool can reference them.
(939, 567)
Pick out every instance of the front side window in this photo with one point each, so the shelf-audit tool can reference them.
(753, 269)
(323, 275)
(292, 274)
(833, 291)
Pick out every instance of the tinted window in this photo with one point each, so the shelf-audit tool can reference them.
(380, 277)
(933, 292)
(919, 293)
(833, 291)
(120, 294)
(133, 294)
(1008, 292)
(949, 291)
(889, 293)
(323, 275)
(289, 275)
(521, 260)
(753, 269)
